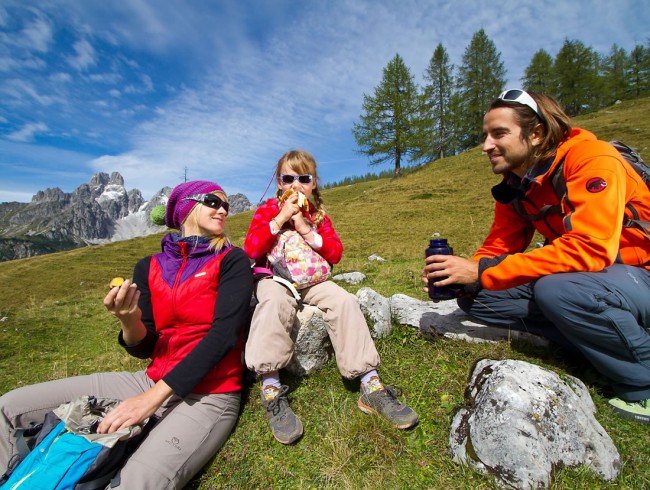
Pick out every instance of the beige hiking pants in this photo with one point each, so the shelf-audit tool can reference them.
(270, 348)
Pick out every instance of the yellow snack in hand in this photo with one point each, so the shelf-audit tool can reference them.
(116, 282)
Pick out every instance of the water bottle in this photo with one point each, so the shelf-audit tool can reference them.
(439, 246)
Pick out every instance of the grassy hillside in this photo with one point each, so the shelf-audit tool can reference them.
(52, 324)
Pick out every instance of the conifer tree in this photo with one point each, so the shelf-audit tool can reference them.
(578, 84)
(639, 71)
(615, 75)
(388, 128)
(539, 75)
(437, 124)
(481, 79)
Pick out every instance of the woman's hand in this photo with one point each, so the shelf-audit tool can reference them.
(123, 303)
(136, 409)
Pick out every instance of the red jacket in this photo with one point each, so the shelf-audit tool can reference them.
(588, 235)
(184, 289)
(259, 239)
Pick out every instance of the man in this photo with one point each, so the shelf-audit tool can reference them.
(588, 287)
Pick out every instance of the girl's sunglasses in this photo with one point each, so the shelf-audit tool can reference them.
(303, 179)
(215, 202)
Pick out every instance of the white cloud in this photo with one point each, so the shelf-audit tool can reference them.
(60, 77)
(22, 91)
(28, 131)
(84, 57)
(37, 35)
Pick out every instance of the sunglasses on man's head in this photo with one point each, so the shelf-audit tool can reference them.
(521, 97)
(215, 202)
(303, 179)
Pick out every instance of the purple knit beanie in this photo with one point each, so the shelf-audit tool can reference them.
(178, 208)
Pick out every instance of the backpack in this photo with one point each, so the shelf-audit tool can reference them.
(292, 258)
(65, 451)
(630, 155)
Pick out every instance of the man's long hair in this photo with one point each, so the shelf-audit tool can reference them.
(557, 123)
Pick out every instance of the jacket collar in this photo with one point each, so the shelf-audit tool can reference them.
(512, 188)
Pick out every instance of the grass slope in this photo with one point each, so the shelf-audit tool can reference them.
(52, 324)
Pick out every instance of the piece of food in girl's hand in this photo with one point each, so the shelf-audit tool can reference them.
(116, 282)
(303, 203)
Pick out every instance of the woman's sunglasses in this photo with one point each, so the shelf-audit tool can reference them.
(303, 179)
(215, 202)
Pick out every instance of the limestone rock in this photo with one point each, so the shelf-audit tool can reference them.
(312, 346)
(520, 421)
(446, 319)
(376, 309)
(350, 277)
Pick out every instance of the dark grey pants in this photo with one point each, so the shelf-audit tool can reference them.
(189, 433)
(604, 315)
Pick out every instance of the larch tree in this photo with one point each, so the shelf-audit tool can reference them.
(481, 78)
(388, 128)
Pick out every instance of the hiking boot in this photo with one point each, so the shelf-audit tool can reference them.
(382, 400)
(285, 426)
(638, 411)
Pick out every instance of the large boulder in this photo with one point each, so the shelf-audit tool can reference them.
(521, 421)
(312, 346)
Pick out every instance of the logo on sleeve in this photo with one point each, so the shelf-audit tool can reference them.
(596, 184)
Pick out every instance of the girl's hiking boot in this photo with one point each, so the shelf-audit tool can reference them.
(285, 426)
(382, 400)
(639, 411)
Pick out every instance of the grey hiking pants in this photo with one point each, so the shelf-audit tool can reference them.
(604, 315)
(189, 433)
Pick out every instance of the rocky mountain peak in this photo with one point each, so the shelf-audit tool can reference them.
(99, 211)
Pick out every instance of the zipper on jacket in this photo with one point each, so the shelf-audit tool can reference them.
(177, 279)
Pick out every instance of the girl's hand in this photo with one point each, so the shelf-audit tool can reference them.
(288, 209)
(300, 224)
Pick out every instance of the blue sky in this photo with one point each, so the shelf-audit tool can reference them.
(223, 88)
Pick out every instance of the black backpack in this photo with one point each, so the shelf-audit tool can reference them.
(630, 155)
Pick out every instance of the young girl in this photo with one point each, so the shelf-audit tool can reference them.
(269, 347)
(187, 313)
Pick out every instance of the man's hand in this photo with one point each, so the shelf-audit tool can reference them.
(446, 270)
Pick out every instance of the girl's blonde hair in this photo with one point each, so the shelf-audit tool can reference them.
(217, 242)
(302, 162)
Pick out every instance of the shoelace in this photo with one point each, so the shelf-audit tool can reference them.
(391, 398)
(273, 405)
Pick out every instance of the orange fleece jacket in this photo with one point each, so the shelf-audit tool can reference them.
(588, 236)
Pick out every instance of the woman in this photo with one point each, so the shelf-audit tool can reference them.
(186, 309)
